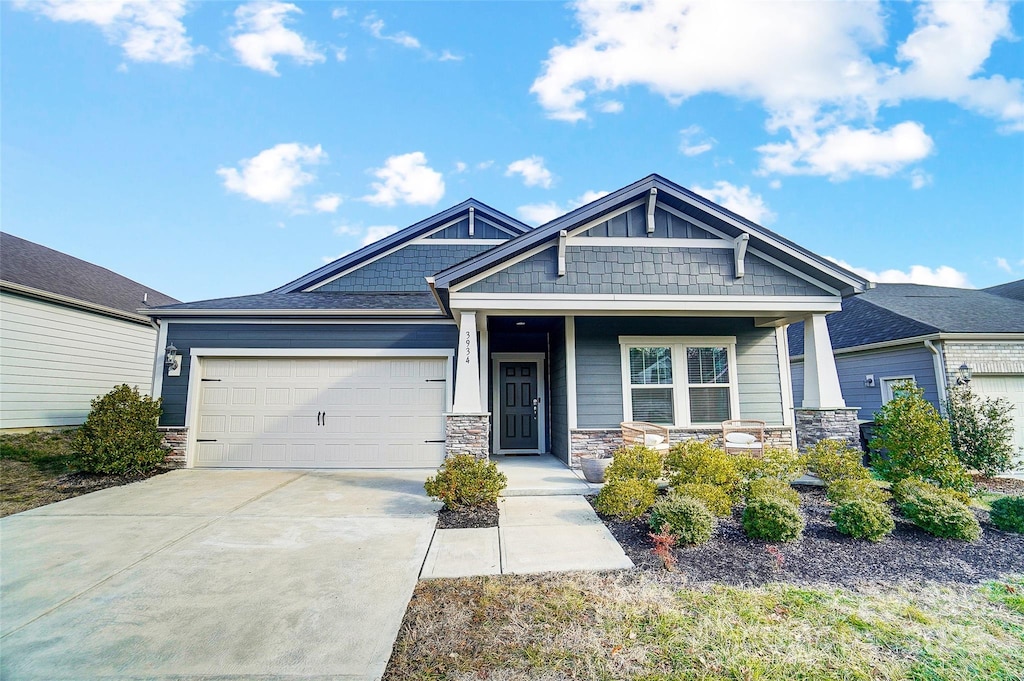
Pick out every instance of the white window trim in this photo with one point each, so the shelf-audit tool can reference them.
(886, 384)
(680, 390)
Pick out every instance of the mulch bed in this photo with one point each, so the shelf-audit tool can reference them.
(823, 555)
(1001, 485)
(83, 483)
(468, 517)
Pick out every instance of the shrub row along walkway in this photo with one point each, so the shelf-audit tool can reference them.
(534, 534)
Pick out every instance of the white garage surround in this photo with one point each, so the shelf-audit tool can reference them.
(289, 408)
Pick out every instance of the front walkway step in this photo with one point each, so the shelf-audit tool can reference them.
(463, 553)
(538, 476)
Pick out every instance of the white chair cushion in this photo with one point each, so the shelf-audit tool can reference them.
(740, 438)
(652, 440)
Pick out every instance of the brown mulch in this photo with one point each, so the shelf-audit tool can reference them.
(823, 555)
(467, 517)
(23, 487)
(1001, 485)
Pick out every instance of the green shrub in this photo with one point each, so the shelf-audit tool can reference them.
(464, 480)
(936, 511)
(864, 519)
(833, 460)
(842, 491)
(697, 461)
(772, 519)
(1008, 514)
(120, 435)
(717, 501)
(980, 430)
(771, 488)
(688, 519)
(781, 464)
(910, 488)
(912, 440)
(626, 499)
(635, 463)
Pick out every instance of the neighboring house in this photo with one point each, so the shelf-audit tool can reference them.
(69, 331)
(898, 332)
(469, 331)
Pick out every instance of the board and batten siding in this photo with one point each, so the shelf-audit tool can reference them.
(912, 360)
(54, 360)
(599, 374)
(186, 336)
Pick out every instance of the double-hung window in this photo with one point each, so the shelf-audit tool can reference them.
(680, 381)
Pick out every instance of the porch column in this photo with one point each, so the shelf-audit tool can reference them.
(467, 372)
(821, 380)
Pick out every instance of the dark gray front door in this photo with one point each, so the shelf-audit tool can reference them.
(518, 388)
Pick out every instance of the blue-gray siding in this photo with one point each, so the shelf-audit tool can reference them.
(634, 223)
(460, 230)
(644, 270)
(186, 336)
(914, 360)
(558, 410)
(404, 269)
(599, 374)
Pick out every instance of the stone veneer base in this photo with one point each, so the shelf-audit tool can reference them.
(175, 440)
(814, 425)
(467, 434)
(604, 441)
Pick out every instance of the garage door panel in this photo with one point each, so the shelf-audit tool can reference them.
(1009, 387)
(214, 396)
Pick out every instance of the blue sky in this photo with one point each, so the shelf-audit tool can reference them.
(212, 149)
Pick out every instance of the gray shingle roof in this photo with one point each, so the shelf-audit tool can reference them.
(314, 300)
(1011, 289)
(30, 264)
(894, 311)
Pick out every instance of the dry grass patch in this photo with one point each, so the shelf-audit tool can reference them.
(638, 626)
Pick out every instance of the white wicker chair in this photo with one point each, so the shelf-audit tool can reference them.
(643, 433)
(743, 435)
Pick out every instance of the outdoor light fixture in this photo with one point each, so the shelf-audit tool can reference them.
(963, 374)
(172, 360)
(520, 323)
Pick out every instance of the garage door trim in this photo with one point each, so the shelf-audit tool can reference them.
(196, 356)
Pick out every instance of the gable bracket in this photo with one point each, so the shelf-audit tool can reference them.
(472, 216)
(740, 252)
(562, 238)
(652, 201)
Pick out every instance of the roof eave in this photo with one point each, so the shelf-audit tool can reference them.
(67, 301)
(418, 313)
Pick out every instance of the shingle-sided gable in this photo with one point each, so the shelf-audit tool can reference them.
(405, 268)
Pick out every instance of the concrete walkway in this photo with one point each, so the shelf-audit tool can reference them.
(215, 574)
(542, 475)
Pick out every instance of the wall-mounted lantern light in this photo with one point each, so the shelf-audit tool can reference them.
(963, 374)
(172, 360)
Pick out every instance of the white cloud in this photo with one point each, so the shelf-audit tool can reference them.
(693, 141)
(532, 170)
(1004, 264)
(340, 53)
(943, 275)
(260, 35)
(919, 179)
(377, 232)
(147, 30)
(484, 165)
(740, 200)
(447, 55)
(273, 175)
(460, 167)
(540, 213)
(375, 26)
(834, 84)
(327, 203)
(408, 179)
(775, 184)
(339, 13)
(611, 106)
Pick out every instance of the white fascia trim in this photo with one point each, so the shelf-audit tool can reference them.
(424, 312)
(457, 242)
(321, 352)
(502, 265)
(785, 377)
(677, 340)
(647, 242)
(607, 216)
(158, 362)
(415, 321)
(915, 340)
(755, 306)
(68, 301)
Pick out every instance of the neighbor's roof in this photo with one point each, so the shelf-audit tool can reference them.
(311, 301)
(1011, 289)
(38, 268)
(895, 311)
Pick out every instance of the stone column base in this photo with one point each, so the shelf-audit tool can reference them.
(467, 434)
(175, 440)
(813, 425)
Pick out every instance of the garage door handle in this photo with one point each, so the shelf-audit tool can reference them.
(205, 440)
(436, 380)
(319, 414)
(325, 419)
(434, 442)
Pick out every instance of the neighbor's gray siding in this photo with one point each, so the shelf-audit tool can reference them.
(460, 230)
(599, 375)
(558, 409)
(644, 270)
(913, 360)
(634, 223)
(404, 270)
(186, 336)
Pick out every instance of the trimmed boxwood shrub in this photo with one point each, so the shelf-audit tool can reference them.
(842, 491)
(936, 511)
(698, 461)
(635, 463)
(626, 499)
(771, 488)
(120, 435)
(688, 519)
(1008, 514)
(772, 519)
(464, 480)
(864, 519)
(833, 460)
(717, 501)
(777, 463)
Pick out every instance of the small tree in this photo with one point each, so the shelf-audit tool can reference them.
(981, 430)
(120, 435)
(912, 440)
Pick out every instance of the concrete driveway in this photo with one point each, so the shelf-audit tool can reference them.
(200, 573)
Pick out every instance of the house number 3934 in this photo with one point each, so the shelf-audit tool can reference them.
(468, 348)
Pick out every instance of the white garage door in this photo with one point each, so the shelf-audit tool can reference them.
(1011, 389)
(321, 413)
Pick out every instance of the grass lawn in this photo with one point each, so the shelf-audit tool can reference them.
(648, 626)
(30, 464)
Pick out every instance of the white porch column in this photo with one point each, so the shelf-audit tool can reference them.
(467, 371)
(821, 380)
